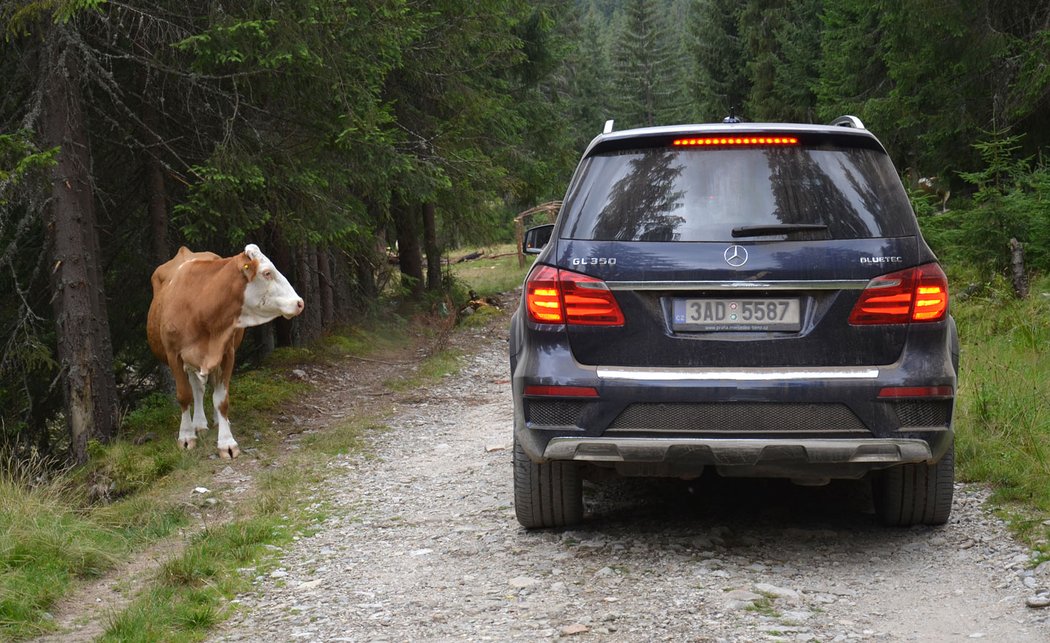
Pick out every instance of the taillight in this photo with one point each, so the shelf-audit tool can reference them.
(542, 296)
(555, 296)
(913, 295)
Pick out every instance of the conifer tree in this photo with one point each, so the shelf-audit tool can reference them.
(718, 84)
(646, 66)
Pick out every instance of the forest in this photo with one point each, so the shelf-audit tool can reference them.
(332, 132)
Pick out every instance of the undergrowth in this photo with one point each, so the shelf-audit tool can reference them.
(1002, 410)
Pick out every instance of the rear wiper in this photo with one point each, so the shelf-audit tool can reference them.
(780, 228)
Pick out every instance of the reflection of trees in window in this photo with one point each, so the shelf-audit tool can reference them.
(641, 204)
(804, 193)
(868, 181)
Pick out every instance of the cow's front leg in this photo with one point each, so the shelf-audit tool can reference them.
(220, 397)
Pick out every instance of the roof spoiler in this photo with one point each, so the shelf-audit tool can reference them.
(848, 121)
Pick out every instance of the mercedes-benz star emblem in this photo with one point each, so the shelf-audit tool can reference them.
(736, 256)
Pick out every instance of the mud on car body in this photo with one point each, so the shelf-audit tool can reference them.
(752, 297)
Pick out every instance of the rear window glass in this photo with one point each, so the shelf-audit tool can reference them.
(662, 194)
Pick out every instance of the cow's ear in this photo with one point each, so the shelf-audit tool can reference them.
(249, 266)
(253, 251)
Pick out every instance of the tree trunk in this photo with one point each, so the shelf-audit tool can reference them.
(1017, 270)
(158, 210)
(309, 290)
(370, 262)
(158, 198)
(431, 247)
(326, 286)
(365, 278)
(282, 258)
(408, 256)
(84, 347)
(341, 296)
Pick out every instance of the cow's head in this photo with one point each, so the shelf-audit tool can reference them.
(267, 294)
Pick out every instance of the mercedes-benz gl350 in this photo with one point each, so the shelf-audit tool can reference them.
(751, 297)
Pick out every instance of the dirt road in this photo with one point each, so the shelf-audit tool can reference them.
(422, 544)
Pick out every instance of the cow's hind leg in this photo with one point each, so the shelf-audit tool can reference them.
(197, 381)
(220, 397)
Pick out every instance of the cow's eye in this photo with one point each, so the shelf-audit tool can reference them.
(268, 274)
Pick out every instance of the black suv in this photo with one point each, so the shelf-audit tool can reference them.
(753, 297)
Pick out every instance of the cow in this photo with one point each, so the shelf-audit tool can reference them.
(201, 305)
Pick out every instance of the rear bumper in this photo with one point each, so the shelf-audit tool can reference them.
(805, 458)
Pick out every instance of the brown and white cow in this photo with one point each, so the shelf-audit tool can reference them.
(201, 305)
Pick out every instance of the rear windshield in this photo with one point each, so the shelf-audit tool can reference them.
(662, 194)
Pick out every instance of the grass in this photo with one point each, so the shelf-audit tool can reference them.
(45, 546)
(1002, 411)
(438, 365)
(492, 276)
(186, 599)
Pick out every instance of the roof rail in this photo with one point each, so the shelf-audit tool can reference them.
(848, 121)
(608, 127)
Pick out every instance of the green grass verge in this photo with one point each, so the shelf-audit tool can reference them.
(1002, 412)
(45, 545)
(187, 597)
(438, 365)
(492, 276)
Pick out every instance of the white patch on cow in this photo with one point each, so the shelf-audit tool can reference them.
(226, 443)
(268, 295)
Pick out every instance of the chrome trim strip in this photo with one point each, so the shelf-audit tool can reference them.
(639, 374)
(841, 284)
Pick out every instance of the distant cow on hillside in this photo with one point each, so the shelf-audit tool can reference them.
(201, 305)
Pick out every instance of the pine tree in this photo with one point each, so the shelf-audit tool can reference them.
(719, 85)
(796, 76)
(646, 66)
(587, 78)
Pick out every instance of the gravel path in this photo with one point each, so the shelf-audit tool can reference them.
(422, 544)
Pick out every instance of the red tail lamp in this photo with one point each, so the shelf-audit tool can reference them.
(556, 296)
(914, 295)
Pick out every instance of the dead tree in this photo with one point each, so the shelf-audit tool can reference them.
(1017, 272)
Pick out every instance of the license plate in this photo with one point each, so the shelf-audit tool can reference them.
(752, 314)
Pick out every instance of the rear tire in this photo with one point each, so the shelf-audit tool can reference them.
(916, 494)
(549, 494)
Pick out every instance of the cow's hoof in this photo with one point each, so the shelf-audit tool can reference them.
(229, 452)
(188, 443)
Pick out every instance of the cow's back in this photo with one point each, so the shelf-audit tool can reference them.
(158, 308)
